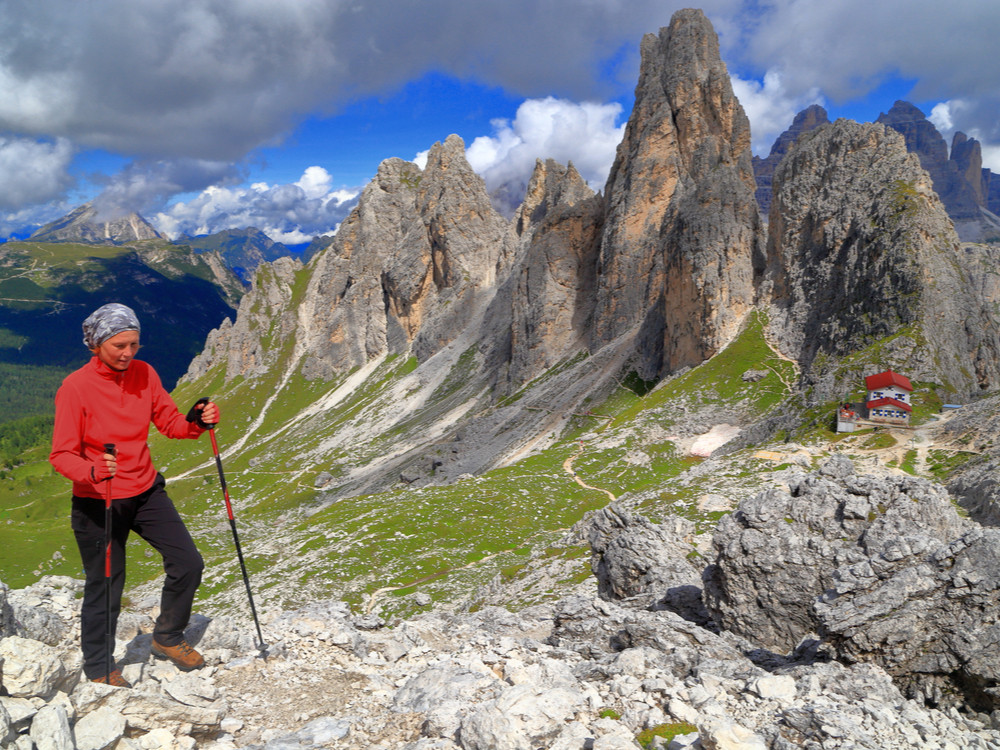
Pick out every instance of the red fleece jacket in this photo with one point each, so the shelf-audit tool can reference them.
(97, 405)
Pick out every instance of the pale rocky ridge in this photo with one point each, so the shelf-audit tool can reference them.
(629, 650)
(263, 313)
(87, 224)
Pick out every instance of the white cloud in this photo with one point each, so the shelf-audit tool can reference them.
(849, 48)
(991, 158)
(33, 171)
(145, 186)
(940, 116)
(315, 182)
(586, 134)
(958, 115)
(770, 108)
(290, 213)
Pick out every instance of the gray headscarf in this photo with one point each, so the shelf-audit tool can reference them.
(107, 321)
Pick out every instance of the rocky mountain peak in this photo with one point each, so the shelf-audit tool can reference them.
(551, 185)
(88, 225)
(923, 139)
(920, 134)
(967, 154)
(682, 230)
(861, 251)
(543, 310)
(451, 193)
(415, 261)
(808, 119)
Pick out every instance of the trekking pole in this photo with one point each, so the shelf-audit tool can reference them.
(232, 519)
(109, 641)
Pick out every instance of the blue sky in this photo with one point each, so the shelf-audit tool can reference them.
(209, 114)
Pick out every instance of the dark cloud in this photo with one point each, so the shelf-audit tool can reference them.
(32, 171)
(187, 87)
(145, 186)
(214, 79)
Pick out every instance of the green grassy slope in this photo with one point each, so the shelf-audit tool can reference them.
(375, 550)
(444, 540)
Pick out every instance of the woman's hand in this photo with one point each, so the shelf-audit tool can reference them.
(104, 468)
(210, 413)
(112, 463)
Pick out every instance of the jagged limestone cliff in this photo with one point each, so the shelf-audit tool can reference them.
(413, 264)
(808, 119)
(543, 310)
(865, 264)
(682, 235)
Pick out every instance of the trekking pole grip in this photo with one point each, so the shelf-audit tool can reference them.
(194, 414)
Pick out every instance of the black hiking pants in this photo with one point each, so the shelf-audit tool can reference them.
(153, 517)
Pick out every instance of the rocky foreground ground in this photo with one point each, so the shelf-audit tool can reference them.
(839, 611)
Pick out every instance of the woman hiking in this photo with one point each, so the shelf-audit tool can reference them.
(111, 400)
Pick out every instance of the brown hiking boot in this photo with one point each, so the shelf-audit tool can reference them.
(115, 679)
(182, 655)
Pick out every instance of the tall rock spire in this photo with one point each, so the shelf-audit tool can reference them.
(682, 235)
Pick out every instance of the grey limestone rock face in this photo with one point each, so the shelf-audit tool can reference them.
(975, 484)
(413, 264)
(543, 309)
(808, 119)
(416, 260)
(250, 345)
(781, 549)
(647, 564)
(860, 251)
(881, 568)
(683, 234)
(924, 608)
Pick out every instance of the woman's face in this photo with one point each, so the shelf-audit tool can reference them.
(117, 351)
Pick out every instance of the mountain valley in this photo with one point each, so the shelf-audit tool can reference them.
(550, 434)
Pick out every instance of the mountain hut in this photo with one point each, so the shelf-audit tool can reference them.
(889, 398)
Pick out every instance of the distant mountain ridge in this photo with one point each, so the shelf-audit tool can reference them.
(85, 224)
(243, 250)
